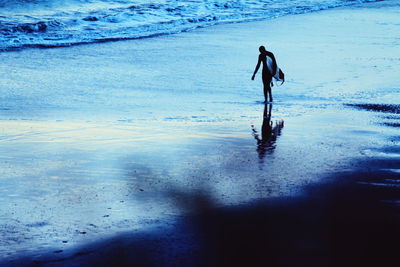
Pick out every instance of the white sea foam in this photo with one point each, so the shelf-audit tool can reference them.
(51, 23)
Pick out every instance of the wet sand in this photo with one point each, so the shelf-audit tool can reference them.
(157, 152)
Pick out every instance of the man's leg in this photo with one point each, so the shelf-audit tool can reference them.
(266, 92)
(270, 93)
(267, 87)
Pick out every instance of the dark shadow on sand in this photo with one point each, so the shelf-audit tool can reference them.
(351, 220)
(392, 109)
(387, 108)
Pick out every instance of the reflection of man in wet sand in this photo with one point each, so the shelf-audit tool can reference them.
(269, 70)
(269, 133)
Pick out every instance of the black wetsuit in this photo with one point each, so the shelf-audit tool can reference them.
(266, 74)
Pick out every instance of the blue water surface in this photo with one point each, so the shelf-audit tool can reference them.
(52, 23)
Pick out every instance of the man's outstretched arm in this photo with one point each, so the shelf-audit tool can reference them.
(257, 67)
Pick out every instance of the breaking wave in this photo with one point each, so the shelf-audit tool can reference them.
(53, 23)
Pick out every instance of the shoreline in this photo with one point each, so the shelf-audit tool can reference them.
(63, 37)
(122, 150)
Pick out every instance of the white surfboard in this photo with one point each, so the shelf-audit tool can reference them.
(279, 75)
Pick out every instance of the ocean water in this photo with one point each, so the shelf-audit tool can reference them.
(95, 139)
(53, 23)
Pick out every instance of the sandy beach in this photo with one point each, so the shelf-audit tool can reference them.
(153, 152)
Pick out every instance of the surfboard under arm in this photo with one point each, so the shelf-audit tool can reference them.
(279, 76)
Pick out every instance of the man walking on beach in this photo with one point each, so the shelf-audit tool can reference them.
(268, 71)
